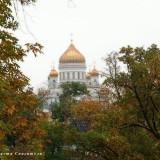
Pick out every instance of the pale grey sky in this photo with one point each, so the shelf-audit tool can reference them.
(98, 27)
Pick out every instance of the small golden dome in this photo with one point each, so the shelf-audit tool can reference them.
(88, 76)
(94, 72)
(72, 55)
(53, 73)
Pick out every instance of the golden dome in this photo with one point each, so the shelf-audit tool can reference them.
(72, 55)
(88, 76)
(53, 73)
(94, 72)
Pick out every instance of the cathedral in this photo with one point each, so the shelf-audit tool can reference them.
(72, 67)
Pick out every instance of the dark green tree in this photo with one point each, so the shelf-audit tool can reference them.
(72, 92)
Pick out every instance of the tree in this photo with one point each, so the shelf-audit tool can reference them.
(19, 125)
(102, 139)
(53, 140)
(72, 92)
(141, 83)
(139, 98)
(112, 73)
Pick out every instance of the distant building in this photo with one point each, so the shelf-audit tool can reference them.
(72, 67)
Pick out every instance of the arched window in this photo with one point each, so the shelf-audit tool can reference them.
(68, 75)
(54, 82)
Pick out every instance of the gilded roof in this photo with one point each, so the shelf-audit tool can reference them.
(94, 72)
(88, 76)
(72, 55)
(53, 73)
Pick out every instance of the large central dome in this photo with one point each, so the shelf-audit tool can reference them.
(72, 55)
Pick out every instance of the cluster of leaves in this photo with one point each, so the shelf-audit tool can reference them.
(71, 91)
(19, 125)
(136, 89)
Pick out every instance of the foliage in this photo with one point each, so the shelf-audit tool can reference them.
(141, 83)
(19, 125)
(136, 89)
(71, 94)
(101, 140)
(53, 140)
(71, 90)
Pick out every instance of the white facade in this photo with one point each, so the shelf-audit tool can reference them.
(52, 82)
(75, 72)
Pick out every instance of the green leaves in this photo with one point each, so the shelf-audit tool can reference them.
(70, 92)
(34, 48)
(6, 18)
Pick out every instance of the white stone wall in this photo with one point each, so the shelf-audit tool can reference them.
(52, 82)
(75, 72)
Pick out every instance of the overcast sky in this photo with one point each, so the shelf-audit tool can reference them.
(98, 26)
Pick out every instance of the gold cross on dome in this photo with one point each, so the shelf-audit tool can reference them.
(71, 37)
